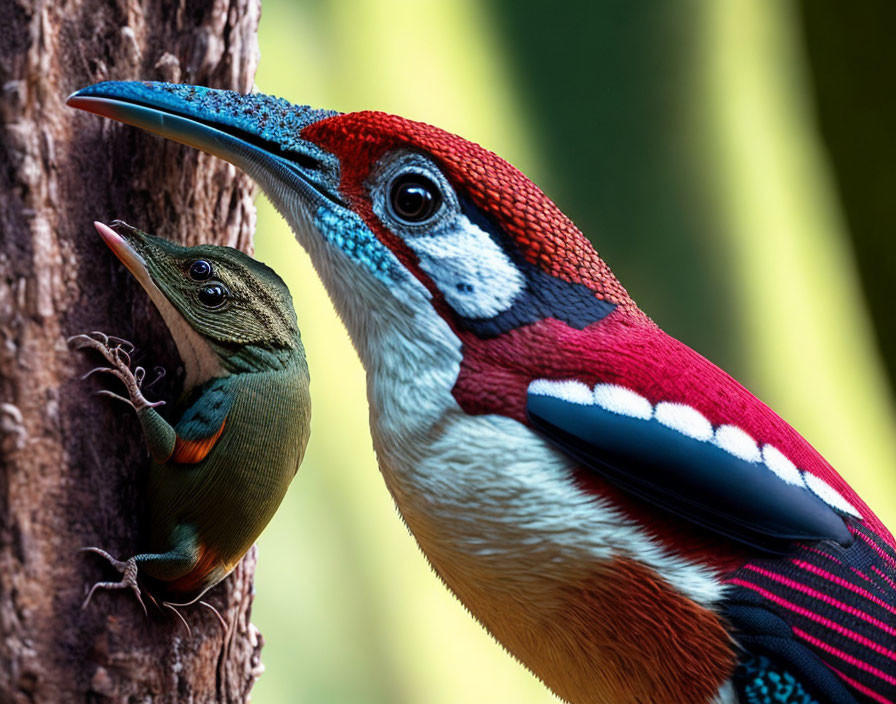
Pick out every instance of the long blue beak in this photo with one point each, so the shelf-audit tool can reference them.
(258, 133)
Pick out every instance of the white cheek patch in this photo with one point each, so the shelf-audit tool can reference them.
(474, 274)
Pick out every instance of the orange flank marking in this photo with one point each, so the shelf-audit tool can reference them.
(193, 451)
(196, 578)
(648, 641)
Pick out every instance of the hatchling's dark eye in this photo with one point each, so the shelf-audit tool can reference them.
(414, 198)
(213, 295)
(200, 270)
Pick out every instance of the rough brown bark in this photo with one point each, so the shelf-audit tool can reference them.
(72, 464)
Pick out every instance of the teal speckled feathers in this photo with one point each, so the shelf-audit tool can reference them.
(763, 683)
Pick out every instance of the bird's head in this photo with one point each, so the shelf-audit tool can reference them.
(410, 227)
(226, 311)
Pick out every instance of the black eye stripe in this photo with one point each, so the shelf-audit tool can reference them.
(544, 296)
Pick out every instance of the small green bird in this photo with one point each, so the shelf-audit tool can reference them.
(240, 429)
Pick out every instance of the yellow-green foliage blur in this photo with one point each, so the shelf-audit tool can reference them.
(682, 138)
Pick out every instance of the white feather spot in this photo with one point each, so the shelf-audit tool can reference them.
(685, 419)
(780, 465)
(571, 391)
(829, 494)
(619, 399)
(739, 443)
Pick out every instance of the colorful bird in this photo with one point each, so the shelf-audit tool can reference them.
(623, 516)
(236, 437)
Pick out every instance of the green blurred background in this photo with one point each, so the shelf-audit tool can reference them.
(734, 163)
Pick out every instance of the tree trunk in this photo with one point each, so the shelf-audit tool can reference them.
(72, 464)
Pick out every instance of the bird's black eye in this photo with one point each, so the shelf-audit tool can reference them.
(213, 295)
(200, 270)
(414, 198)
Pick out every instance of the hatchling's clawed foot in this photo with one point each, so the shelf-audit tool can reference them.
(117, 353)
(128, 570)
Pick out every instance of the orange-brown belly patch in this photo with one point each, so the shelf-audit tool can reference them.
(649, 642)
